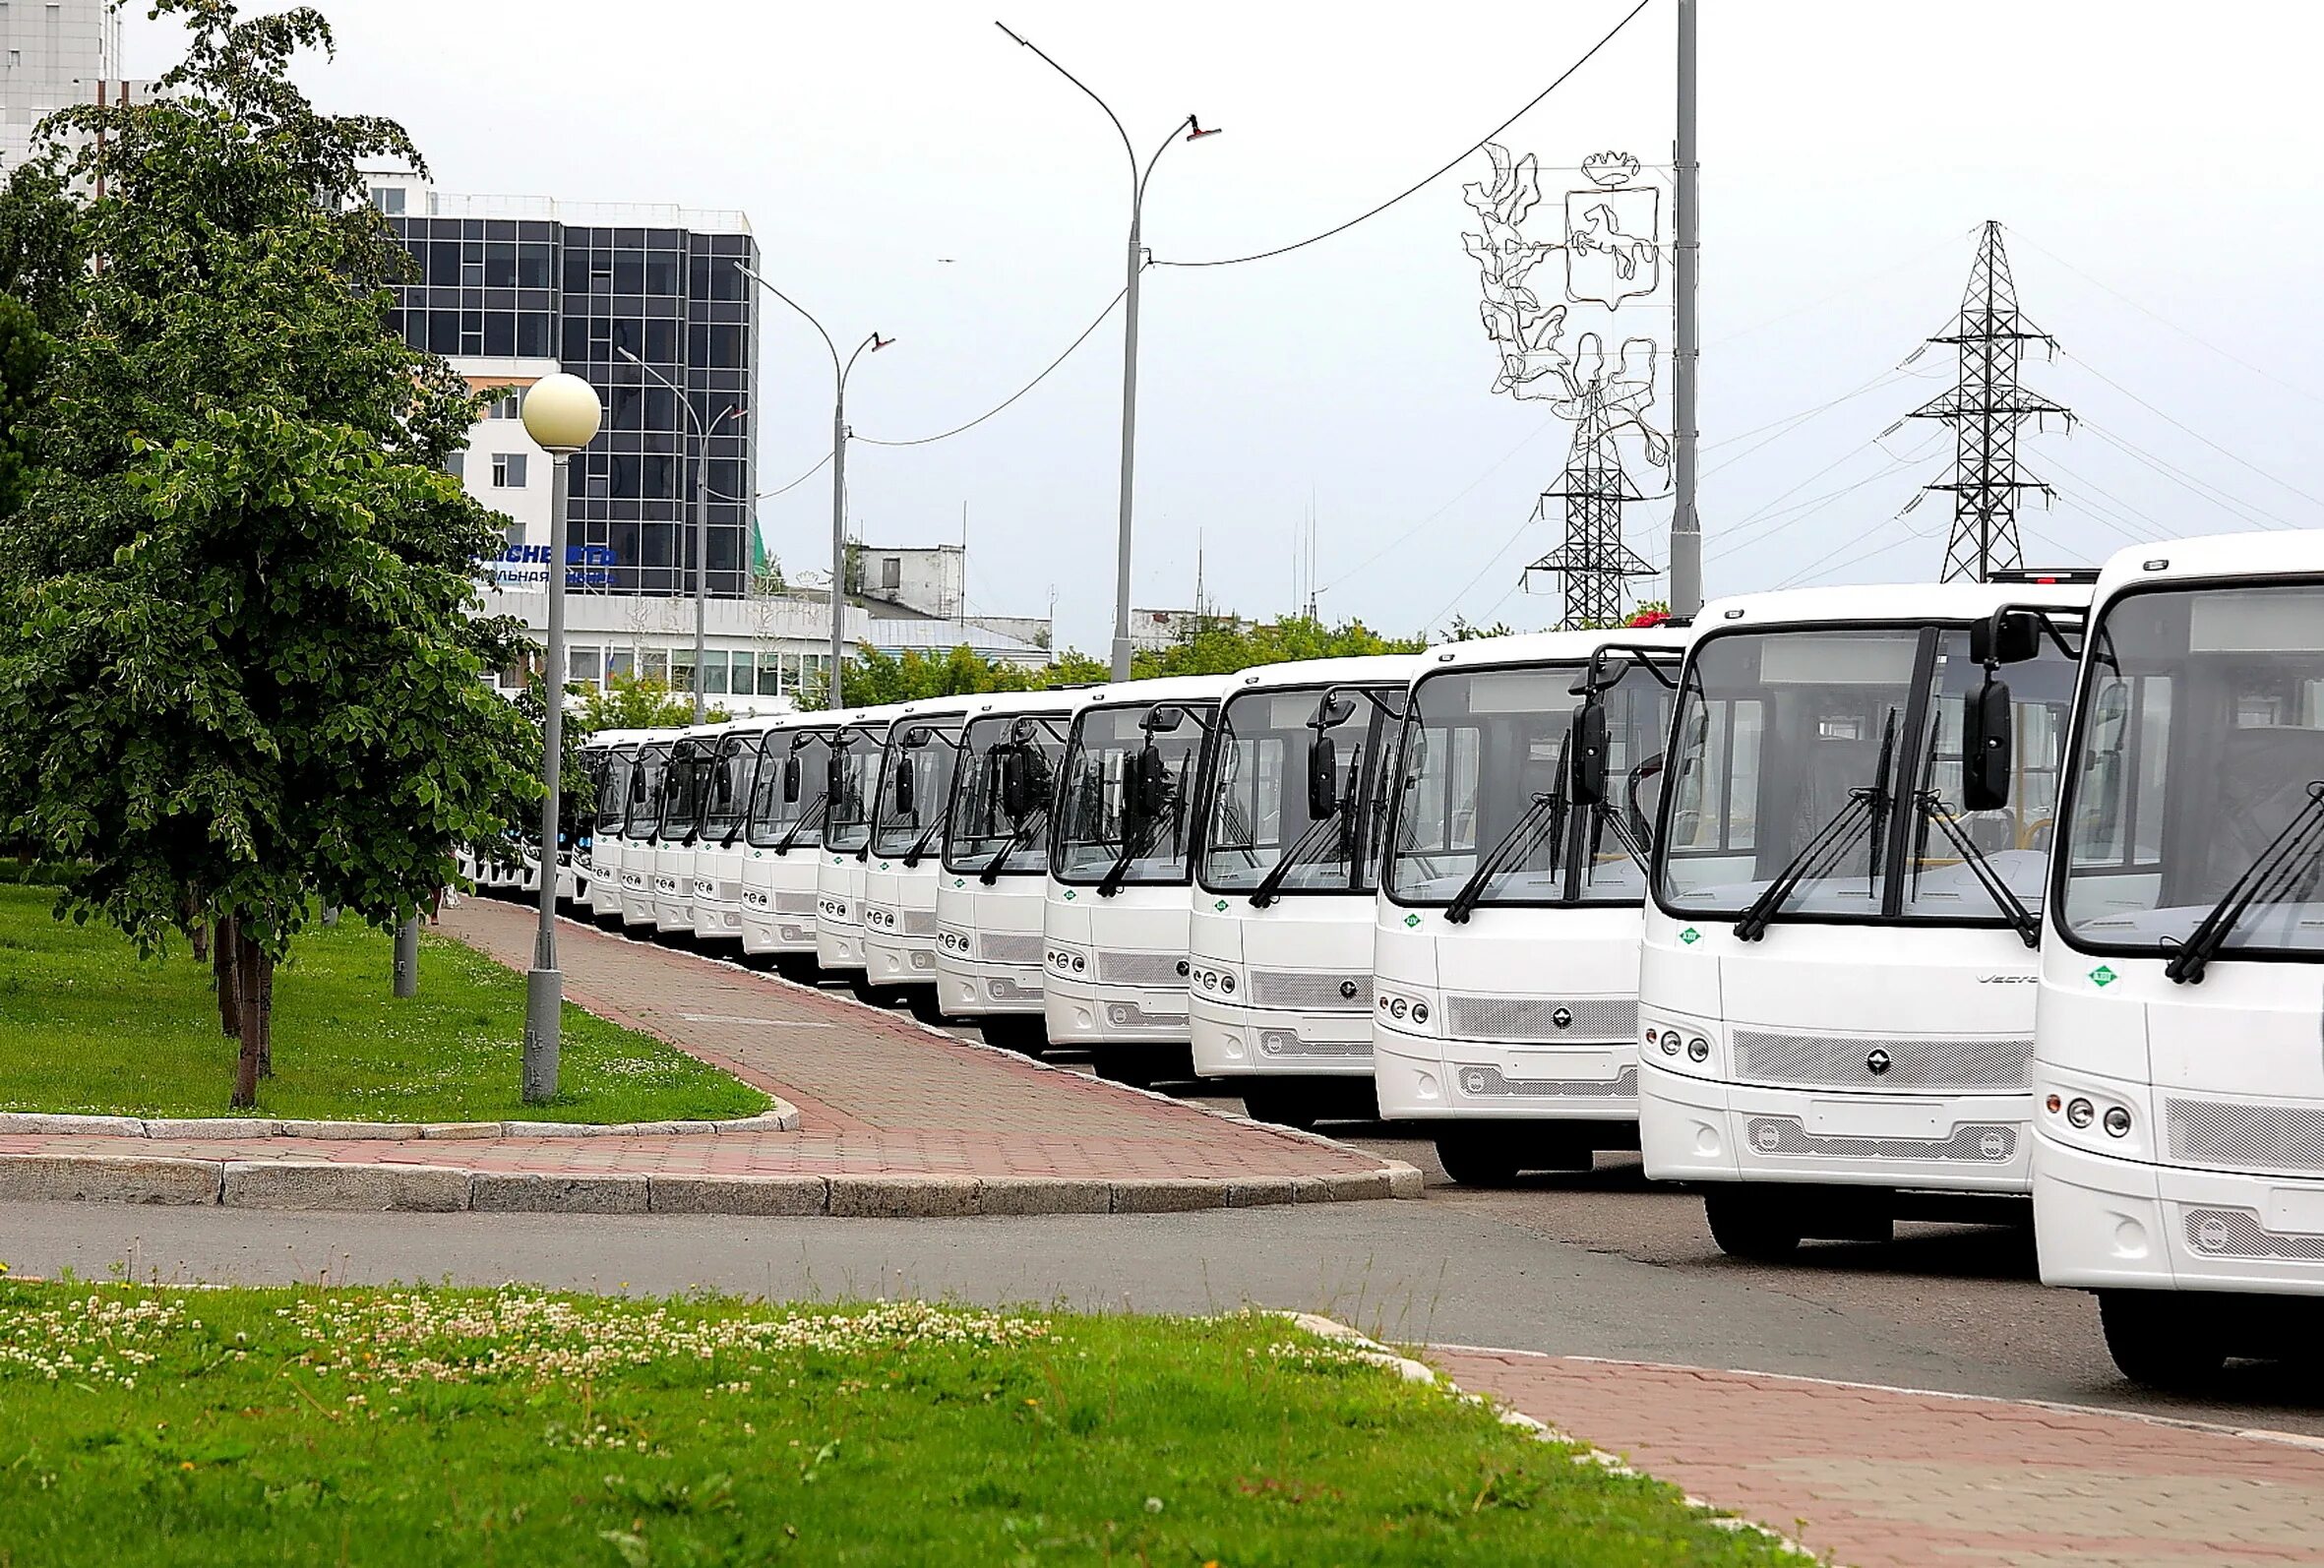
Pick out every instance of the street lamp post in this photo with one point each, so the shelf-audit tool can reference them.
(1139, 178)
(839, 374)
(702, 525)
(562, 413)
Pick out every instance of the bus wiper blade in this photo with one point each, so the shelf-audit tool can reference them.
(1546, 810)
(919, 848)
(815, 812)
(1016, 841)
(1305, 845)
(2026, 922)
(1132, 848)
(2288, 855)
(1609, 815)
(1830, 842)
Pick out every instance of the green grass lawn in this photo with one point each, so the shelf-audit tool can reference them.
(236, 1428)
(87, 1026)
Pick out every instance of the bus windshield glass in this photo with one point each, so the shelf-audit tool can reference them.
(982, 825)
(847, 820)
(1830, 758)
(910, 821)
(726, 794)
(1259, 814)
(646, 790)
(2199, 768)
(613, 791)
(682, 781)
(773, 819)
(1104, 827)
(1487, 786)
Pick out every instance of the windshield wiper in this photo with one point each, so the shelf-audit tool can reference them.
(920, 845)
(1867, 806)
(2027, 923)
(1016, 841)
(2288, 855)
(815, 812)
(1549, 809)
(1132, 848)
(1273, 884)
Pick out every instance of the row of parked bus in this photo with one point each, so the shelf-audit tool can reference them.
(1839, 904)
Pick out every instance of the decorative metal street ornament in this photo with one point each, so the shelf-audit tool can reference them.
(1613, 235)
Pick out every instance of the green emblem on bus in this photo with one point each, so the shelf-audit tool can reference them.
(1071, 895)
(1411, 921)
(959, 882)
(1690, 936)
(1220, 906)
(2103, 976)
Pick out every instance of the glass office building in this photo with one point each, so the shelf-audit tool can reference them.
(516, 287)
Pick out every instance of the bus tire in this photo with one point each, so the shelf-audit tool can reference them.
(2157, 1339)
(1747, 1222)
(1478, 1156)
(1282, 1105)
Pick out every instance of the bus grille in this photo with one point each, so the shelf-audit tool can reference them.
(1141, 969)
(1982, 1142)
(791, 901)
(1009, 946)
(1844, 1062)
(1287, 1043)
(2236, 1233)
(1480, 1083)
(1130, 1015)
(1602, 1021)
(2235, 1135)
(919, 923)
(1308, 993)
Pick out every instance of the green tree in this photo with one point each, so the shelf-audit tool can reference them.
(24, 353)
(237, 656)
(1222, 646)
(636, 702)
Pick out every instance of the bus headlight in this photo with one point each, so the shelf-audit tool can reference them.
(1420, 1012)
(1698, 1050)
(1669, 1042)
(2080, 1112)
(2117, 1121)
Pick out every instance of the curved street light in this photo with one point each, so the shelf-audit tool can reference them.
(839, 374)
(1139, 177)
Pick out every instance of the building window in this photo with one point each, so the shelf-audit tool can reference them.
(892, 573)
(681, 670)
(507, 471)
(509, 407)
(389, 199)
(656, 665)
(582, 663)
(456, 465)
(714, 671)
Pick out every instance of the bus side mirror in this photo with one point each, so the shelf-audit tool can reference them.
(2008, 637)
(1985, 749)
(1148, 792)
(1323, 777)
(1016, 784)
(1589, 755)
(907, 788)
(834, 776)
(794, 776)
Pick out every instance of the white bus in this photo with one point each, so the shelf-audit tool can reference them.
(853, 778)
(1506, 931)
(785, 835)
(604, 848)
(1837, 989)
(1114, 907)
(685, 790)
(2178, 1078)
(909, 807)
(641, 827)
(1280, 994)
(719, 851)
(988, 889)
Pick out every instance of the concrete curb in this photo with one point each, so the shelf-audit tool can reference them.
(782, 1117)
(295, 1183)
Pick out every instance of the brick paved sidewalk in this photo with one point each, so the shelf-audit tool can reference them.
(1886, 1478)
(878, 1097)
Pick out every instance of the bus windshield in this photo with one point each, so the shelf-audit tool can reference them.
(1259, 802)
(646, 790)
(2198, 768)
(613, 791)
(682, 781)
(981, 824)
(798, 822)
(908, 820)
(847, 820)
(726, 795)
(1824, 756)
(1096, 803)
(1487, 783)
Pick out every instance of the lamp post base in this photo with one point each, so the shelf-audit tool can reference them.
(544, 1005)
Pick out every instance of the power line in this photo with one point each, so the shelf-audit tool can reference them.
(1499, 463)
(1792, 422)
(2191, 430)
(1491, 562)
(922, 440)
(821, 463)
(1450, 164)
(1842, 291)
(2195, 485)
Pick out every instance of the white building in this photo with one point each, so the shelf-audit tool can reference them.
(54, 53)
(933, 580)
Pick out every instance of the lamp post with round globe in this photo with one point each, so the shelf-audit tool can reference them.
(562, 413)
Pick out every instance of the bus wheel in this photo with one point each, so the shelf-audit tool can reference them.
(1283, 1105)
(1025, 1033)
(1750, 1222)
(2157, 1338)
(1476, 1157)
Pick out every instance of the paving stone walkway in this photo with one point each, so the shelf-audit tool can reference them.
(1887, 1479)
(878, 1097)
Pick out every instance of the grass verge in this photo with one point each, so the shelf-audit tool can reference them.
(88, 1026)
(517, 1428)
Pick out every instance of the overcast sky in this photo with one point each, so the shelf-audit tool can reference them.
(906, 167)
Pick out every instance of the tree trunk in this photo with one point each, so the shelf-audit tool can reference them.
(248, 987)
(223, 953)
(198, 929)
(266, 1015)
